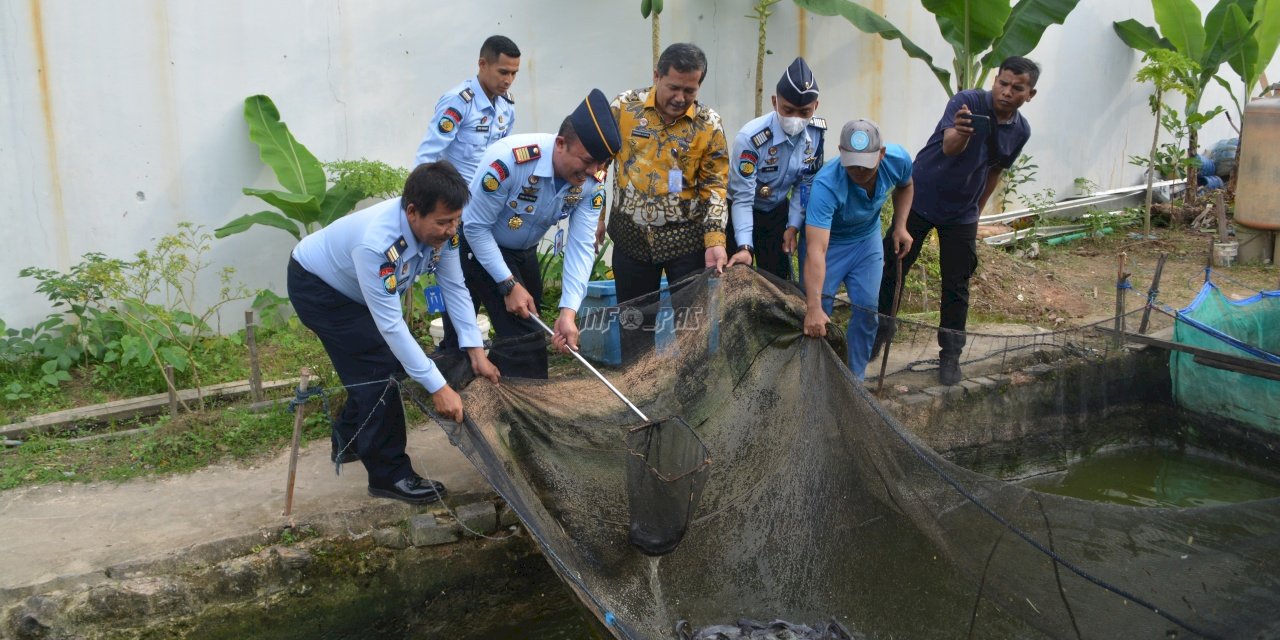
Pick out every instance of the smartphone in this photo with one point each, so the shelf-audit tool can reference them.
(981, 124)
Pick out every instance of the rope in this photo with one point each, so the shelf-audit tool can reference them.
(301, 397)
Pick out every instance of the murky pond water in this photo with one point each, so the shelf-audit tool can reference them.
(1156, 477)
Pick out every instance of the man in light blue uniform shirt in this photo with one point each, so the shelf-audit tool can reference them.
(773, 155)
(842, 231)
(476, 113)
(345, 283)
(527, 184)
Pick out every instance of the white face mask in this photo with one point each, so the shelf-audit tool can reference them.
(792, 126)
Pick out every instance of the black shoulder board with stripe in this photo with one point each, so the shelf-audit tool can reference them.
(467, 94)
(527, 153)
(818, 122)
(507, 96)
(762, 137)
(393, 252)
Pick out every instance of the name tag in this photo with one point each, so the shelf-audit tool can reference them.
(641, 133)
(769, 169)
(482, 128)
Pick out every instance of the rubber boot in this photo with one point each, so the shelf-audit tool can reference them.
(949, 368)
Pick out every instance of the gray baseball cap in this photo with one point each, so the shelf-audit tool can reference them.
(860, 144)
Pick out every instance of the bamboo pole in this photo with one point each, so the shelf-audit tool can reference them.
(1151, 293)
(893, 322)
(255, 367)
(299, 414)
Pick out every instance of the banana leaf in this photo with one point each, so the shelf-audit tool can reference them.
(1140, 36)
(1266, 37)
(1180, 22)
(303, 208)
(294, 166)
(268, 218)
(868, 21)
(1025, 26)
(969, 26)
(1245, 61)
(339, 201)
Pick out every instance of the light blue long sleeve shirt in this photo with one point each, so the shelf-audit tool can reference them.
(514, 201)
(465, 123)
(764, 164)
(372, 256)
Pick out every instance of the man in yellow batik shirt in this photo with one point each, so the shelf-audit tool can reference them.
(669, 205)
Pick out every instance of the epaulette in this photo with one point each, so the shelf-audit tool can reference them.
(507, 96)
(467, 94)
(526, 153)
(601, 175)
(393, 252)
(818, 123)
(762, 137)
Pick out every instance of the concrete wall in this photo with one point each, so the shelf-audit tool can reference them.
(122, 118)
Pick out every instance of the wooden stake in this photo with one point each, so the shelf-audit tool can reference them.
(173, 391)
(1220, 206)
(298, 415)
(1151, 293)
(255, 368)
(1121, 278)
(893, 322)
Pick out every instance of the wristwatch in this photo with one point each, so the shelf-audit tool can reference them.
(507, 286)
(748, 248)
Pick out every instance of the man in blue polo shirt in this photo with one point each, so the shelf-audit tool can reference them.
(957, 171)
(842, 233)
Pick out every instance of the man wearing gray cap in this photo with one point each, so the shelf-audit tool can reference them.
(772, 156)
(525, 185)
(842, 231)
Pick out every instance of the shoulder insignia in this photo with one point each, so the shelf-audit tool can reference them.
(451, 118)
(762, 137)
(508, 97)
(597, 201)
(393, 252)
(453, 242)
(601, 175)
(747, 162)
(489, 182)
(467, 94)
(818, 123)
(387, 272)
(527, 153)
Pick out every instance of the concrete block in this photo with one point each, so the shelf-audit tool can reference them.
(390, 538)
(916, 399)
(985, 382)
(1038, 370)
(426, 531)
(480, 517)
(937, 392)
(291, 559)
(970, 386)
(1000, 379)
(507, 516)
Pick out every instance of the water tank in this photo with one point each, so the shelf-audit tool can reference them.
(1258, 180)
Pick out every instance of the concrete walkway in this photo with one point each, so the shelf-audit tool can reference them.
(58, 534)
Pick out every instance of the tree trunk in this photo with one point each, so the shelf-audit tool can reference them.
(1193, 170)
(656, 39)
(1151, 171)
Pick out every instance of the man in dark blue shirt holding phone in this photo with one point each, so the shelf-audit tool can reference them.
(955, 173)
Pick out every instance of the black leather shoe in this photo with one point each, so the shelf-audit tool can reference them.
(949, 370)
(347, 456)
(413, 490)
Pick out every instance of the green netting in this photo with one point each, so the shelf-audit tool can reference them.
(1247, 328)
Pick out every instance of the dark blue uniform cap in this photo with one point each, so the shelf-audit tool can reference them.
(797, 85)
(596, 128)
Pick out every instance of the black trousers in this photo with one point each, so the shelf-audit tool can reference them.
(359, 355)
(527, 359)
(634, 278)
(766, 236)
(958, 255)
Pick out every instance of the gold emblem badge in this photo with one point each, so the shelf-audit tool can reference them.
(489, 183)
(765, 191)
(515, 222)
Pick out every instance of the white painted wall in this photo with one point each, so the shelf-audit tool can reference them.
(122, 118)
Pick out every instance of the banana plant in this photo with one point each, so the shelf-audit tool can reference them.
(1237, 32)
(650, 10)
(308, 203)
(982, 33)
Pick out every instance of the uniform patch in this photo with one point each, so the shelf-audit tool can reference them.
(467, 94)
(449, 120)
(386, 269)
(453, 242)
(818, 122)
(762, 137)
(489, 182)
(597, 201)
(501, 169)
(747, 162)
(527, 153)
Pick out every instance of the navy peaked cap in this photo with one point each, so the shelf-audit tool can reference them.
(596, 128)
(797, 84)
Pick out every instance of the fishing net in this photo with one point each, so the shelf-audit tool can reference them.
(1248, 328)
(819, 505)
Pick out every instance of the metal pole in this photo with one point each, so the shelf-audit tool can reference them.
(893, 322)
(593, 370)
(255, 369)
(1151, 293)
(299, 414)
(1121, 276)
